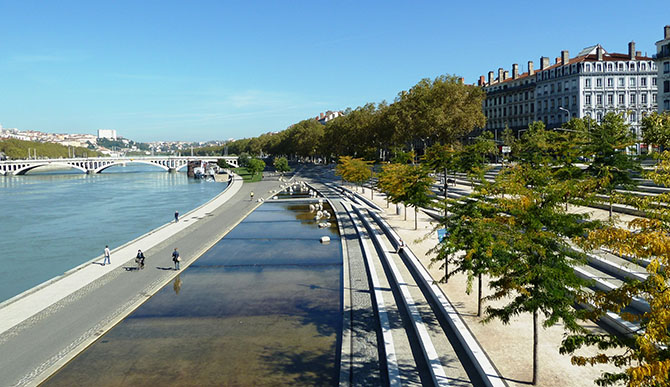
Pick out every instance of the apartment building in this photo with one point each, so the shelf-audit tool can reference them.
(589, 85)
(662, 58)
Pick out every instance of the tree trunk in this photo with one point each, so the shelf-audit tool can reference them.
(405, 208)
(479, 295)
(416, 216)
(387, 201)
(611, 205)
(446, 186)
(535, 354)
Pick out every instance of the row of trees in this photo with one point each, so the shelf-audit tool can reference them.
(517, 231)
(432, 111)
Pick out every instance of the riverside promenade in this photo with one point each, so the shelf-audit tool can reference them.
(43, 328)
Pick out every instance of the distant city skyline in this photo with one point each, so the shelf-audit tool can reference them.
(211, 70)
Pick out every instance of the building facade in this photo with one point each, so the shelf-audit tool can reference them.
(107, 133)
(589, 85)
(662, 58)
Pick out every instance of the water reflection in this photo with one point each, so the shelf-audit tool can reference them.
(250, 311)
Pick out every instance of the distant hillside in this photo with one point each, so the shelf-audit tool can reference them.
(18, 149)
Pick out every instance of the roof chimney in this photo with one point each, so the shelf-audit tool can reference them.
(565, 57)
(481, 81)
(506, 75)
(530, 68)
(599, 53)
(631, 50)
(638, 54)
(490, 77)
(501, 73)
(544, 62)
(667, 32)
(515, 71)
(461, 80)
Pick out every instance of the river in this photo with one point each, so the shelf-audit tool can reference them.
(52, 222)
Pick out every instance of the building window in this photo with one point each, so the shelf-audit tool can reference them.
(643, 98)
(666, 86)
(599, 82)
(643, 66)
(643, 81)
(621, 99)
(666, 67)
(622, 82)
(633, 117)
(588, 67)
(631, 67)
(654, 98)
(574, 99)
(587, 83)
(599, 117)
(599, 99)
(574, 85)
(631, 82)
(599, 67)
(654, 81)
(620, 66)
(566, 102)
(632, 99)
(610, 82)
(532, 108)
(666, 104)
(587, 99)
(609, 67)
(610, 99)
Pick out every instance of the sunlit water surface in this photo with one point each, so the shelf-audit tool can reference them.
(260, 308)
(52, 222)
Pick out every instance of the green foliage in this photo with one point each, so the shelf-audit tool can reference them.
(222, 163)
(281, 165)
(255, 166)
(247, 176)
(243, 159)
(18, 149)
(407, 184)
(354, 170)
(656, 129)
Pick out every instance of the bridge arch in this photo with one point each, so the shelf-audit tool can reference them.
(29, 167)
(111, 164)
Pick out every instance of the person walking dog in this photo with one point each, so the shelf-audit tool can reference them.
(176, 259)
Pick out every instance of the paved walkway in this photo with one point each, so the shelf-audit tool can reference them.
(42, 329)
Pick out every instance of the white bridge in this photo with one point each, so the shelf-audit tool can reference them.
(99, 164)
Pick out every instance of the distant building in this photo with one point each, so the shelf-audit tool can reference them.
(662, 58)
(327, 116)
(107, 133)
(589, 85)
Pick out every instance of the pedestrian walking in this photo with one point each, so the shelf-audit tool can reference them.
(251, 195)
(176, 216)
(139, 259)
(401, 246)
(108, 255)
(176, 259)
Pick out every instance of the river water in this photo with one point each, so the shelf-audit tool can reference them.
(52, 222)
(262, 307)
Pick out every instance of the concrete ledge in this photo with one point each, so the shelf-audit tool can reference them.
(484, 367)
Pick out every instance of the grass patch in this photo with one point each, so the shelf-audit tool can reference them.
(246, 176)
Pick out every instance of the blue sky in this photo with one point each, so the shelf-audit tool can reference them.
(208, 70)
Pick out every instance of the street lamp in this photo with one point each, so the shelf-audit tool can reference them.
(567, 111)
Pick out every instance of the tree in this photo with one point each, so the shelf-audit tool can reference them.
(354, 170)
(281, 165)
(646, 355)
(656, 129)
(473, 158)
(467, 245)
(255, 166)
(612, 165)
(407, 184)
(519, 233)
(442, 158)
